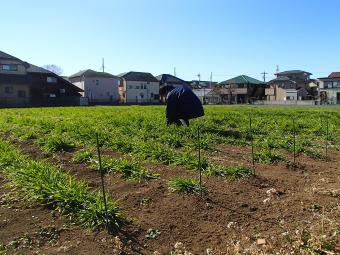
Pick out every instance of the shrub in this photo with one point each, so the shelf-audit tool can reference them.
(267, 156)
(185, 185)
(235, 171)
(83, 156)
(130, 169)
(56, 144)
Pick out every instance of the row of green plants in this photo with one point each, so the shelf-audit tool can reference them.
(41, 182)
(142, 132)
(129, 168)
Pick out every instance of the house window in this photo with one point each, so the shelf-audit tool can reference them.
(9, 90)
(51, 79)
(130, 87)
(9, 67)
(97, 82)
(52, 95)
(148, 82)
(137, 87)
(156, 97)
(141, 95)
(22, 93)
(62, 91)
(335, 84)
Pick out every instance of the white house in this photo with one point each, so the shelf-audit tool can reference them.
(98, 87)
(138, 88)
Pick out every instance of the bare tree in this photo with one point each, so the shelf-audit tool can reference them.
(54, 69)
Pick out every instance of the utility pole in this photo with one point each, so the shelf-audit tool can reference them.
(199, 78)
(103, 65)
(264, 76)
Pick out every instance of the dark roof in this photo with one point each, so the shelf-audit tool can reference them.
(91, 73)
(334, 75)
(7, 56)
(34, 69)
(29, 67)
(138, 76)
(242, 79)
(168, 78)
(292, 72)
(281, 79)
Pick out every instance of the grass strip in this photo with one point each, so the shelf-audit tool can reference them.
(44, 183)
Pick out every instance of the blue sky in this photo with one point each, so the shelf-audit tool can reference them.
(226, 37)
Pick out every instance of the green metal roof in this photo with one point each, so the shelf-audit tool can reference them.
(242, 79)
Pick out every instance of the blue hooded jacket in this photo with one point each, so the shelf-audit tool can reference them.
(182, 103)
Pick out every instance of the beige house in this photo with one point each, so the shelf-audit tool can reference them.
(98, 87)
(290, 85)
(138, 88)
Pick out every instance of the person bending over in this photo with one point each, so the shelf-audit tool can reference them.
(181, 105)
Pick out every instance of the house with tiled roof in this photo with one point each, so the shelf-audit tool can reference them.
(329, 89)
(98, 87)
(291, 85)
(138, 88)
(240, 89)
(24, 84)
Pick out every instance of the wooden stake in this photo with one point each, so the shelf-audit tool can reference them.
(252, 144)
(103, 184)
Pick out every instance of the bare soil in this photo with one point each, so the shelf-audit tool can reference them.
(231, 217)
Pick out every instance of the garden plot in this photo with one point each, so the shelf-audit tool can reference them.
(148, 164)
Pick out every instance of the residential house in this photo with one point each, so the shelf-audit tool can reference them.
(202, 94)
(241, 89)
(291, 85)
(198, 84)
(329, 89)
(138, 88)
(23, 84)
(168, 82)
(98, 87)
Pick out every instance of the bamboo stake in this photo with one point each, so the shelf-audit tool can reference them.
(199, 159)
(252, 143)
(103, 184)
(327, 134)
(294, 141)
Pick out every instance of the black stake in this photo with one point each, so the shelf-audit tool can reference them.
(103, 184)
(199, 159)
(327, 133)
(294, 140)
(252, 144)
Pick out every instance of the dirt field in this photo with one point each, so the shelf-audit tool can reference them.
(280, 205)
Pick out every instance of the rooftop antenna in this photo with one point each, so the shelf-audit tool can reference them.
(175, 71)
(103, 66)
(277, 69)
(264, 75)
(199, 78)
